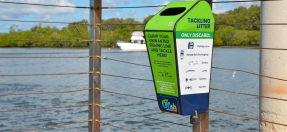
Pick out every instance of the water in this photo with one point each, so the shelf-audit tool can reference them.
(235, 58)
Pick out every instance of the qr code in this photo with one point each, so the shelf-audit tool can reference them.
(169, 25)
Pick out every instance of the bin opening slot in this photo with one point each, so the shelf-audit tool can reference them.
(172, 11)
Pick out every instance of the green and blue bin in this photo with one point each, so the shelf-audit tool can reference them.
(180, 42)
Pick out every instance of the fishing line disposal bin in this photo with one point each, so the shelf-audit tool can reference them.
(179, 42)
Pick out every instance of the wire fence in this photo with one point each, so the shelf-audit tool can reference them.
(53, 126)
(46, 22)
(49, 57)
(47, 92)
(209, 109)
(109, 24)
(31, 40)
(114, 126)
(46, 108)
(118, 76)
(47, 74)
(132, 95)
(22, 3)
(143, 116)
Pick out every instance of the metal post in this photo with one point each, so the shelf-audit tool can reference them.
(273, 63)
(210, 3)
(95, 65)
(204, 117)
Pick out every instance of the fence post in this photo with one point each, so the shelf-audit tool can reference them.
(95, 65)
(204, 117)
(273, 63)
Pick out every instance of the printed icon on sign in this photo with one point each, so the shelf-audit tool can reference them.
(181, 54)
(192, 79)
(193, 62)
(190, 71)
(165, 74)
(190, 45)
(188, 87)
(169, 25)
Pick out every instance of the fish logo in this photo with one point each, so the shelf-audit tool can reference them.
(168, 106)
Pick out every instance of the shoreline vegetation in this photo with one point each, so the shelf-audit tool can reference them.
(225, 35)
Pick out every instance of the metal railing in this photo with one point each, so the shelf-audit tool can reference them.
(95, 70)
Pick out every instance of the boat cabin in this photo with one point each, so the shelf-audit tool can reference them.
(137, 37)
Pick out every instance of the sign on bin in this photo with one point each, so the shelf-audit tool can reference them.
(180, 42)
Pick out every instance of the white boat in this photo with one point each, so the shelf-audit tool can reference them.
(137, 42)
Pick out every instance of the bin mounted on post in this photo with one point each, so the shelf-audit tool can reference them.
(180, 42)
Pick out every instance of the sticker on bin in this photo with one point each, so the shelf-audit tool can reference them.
(169, 25)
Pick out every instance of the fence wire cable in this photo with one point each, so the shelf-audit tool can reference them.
(230, 114)
(46, 40)
(132, 7)
(47, 74)
(106, 24)
(165, 5)
(247, 117)
(53, 126)
(47, 92)
(114, 126)
(248, 94)
(47, 108)
(271, 48)
(250, 73)
(43, 4)
(49, 57)
(254, 47)
(241, 1)
(222, 46)
(123, 77)
(126, 94)
(140, 115)
(212, 67)
(122, 61)
(143, 116)
(47, 22)
(251, 24)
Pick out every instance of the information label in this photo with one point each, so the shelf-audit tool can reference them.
(162, 58)
(194, 60)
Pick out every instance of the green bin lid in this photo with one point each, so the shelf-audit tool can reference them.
(166, 19)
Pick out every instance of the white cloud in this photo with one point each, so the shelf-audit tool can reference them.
(159, 8)
(109, 3)
(113, 3)
(165, 2)
(219, 7)
(27, 25)
(147, 1)
(16, 11)
(87, 12)
(132, 12)
(245, 4)
(118, 15)
(43, 17)
(126, 1)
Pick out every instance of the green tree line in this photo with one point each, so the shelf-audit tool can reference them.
(238, 34)
(225, 35)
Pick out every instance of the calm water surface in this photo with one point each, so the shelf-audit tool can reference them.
(235, 58)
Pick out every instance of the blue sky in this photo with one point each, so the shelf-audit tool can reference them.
(41, 13)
